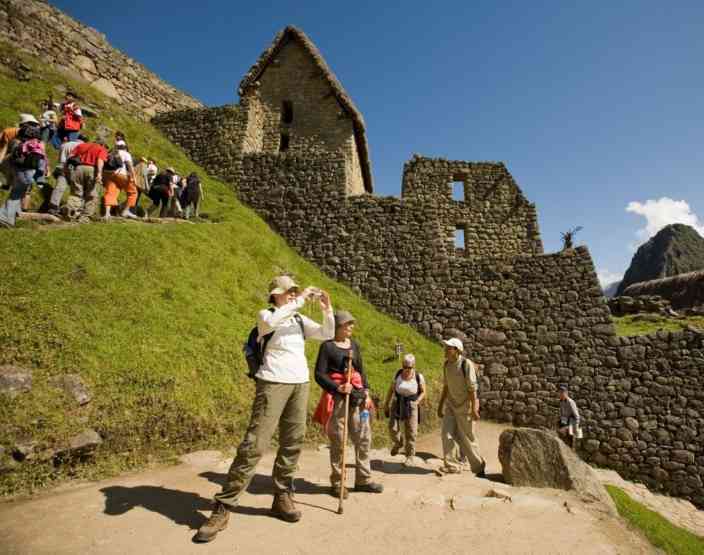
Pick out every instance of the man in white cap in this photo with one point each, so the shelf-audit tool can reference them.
(459, 392)
(281, 401)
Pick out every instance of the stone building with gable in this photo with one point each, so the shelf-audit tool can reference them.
(295, 149)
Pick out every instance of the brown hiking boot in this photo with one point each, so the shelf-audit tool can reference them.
(284, 508)
(217, 522)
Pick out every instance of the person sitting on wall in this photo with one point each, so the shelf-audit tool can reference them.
(569, 425)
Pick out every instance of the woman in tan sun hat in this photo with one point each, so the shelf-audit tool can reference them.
(280, 402)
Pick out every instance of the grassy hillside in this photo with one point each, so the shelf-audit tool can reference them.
(643, 324)
(151, 316)
(664, 535)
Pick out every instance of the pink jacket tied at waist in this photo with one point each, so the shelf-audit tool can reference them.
(323, 412)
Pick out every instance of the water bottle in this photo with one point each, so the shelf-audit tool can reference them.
(364, 416)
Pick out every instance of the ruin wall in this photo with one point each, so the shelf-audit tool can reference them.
(531, 320)
(83, 53)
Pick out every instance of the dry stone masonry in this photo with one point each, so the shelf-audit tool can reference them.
(83, 53)
(295, 150)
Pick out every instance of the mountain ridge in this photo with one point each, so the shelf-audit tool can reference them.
(675, 249)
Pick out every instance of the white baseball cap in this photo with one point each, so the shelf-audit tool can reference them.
(454, 342)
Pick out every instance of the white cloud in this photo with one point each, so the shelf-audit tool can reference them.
(607, 277)
(662, 212)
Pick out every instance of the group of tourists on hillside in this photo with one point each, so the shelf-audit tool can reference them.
(90, 170)
(276, 358)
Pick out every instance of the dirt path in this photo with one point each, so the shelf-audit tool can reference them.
(158, 511)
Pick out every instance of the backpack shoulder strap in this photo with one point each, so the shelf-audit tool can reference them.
(398, 374)
(465, 370)
(267, 337)
(299, 319)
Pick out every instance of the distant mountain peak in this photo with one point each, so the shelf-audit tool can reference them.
(675, 249)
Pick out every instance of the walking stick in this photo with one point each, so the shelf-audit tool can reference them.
(344, 434)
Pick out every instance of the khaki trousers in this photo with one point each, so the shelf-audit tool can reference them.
(458, 436)
(407, 430)
(360, 433)
(275, 404)
(84, 192)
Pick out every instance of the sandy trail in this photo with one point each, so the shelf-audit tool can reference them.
(158, 511)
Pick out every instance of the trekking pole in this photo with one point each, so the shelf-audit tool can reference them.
(344, 434)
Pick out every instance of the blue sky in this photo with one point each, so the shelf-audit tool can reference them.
(592, 105)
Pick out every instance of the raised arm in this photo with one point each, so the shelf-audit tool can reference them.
(325, 331)
(268, 321)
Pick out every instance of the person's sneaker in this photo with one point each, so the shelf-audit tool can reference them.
(216, 523)
(284, 508)
(335, 492)
(371, 487)
(447, 469)
(129, 215)
(395, 449)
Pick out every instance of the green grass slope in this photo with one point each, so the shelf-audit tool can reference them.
(644, 324)
(151, 316)
(660, 532)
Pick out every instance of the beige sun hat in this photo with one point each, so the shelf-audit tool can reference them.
(281, 284)
(454, 342)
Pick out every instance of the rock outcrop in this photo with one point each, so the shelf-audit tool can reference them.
(84, 53)
(537, 458)
(675, 249)
(14, 380)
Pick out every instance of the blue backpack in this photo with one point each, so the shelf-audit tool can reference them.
(254, 350)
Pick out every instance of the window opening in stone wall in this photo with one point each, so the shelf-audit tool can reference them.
(287, 112)
(459, 239)
(458, 191)
(285, 141)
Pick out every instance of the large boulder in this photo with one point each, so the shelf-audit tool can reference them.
(537, 458)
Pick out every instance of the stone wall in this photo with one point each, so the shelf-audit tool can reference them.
(83, 53)
(682, 291)
(532, 320)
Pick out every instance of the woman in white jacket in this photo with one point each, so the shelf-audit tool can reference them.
(281, 401)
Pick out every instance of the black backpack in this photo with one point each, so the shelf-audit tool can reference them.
(254, 350)
(114, 161)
